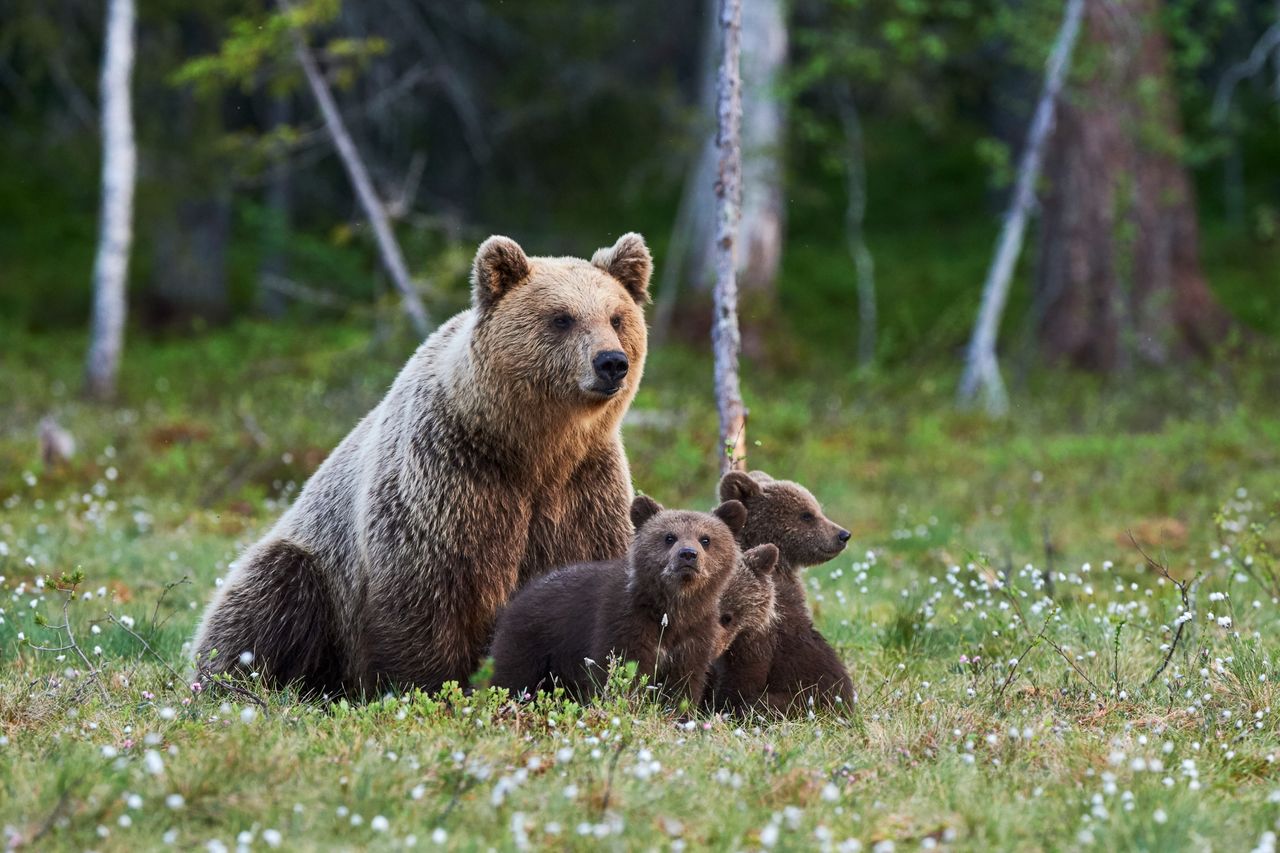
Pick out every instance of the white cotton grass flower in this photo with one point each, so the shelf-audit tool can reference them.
(153, 762)
(379, 824)
(439, 835)
(272, 837)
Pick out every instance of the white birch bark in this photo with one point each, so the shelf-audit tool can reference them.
(115, 224)
(982, 370)
(725, 336)
(388, 248)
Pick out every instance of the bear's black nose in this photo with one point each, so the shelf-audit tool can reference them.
(843, 535)
(611, 366)
(687, 555)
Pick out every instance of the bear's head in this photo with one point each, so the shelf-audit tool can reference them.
(785, 514)
(748, 601)
(681, 554)
(562, 329)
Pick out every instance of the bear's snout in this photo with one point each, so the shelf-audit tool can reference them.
(611, 367)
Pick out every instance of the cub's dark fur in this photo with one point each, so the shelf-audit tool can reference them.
(784, 667)
(659, 606)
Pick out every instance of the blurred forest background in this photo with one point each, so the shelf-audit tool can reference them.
(880, 139)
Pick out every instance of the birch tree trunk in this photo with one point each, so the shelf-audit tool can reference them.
(115, 225)
(982, 370)
(388, 248)
(725, 337)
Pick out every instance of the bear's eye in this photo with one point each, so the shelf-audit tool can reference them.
(705, 540)
(806, 516)
(562, 322)
(671, 539)
(616, 322)
(726, 618)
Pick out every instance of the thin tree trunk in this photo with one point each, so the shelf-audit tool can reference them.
(388, 248)
(764, 57)
(982, 370)
(1120, 268)
(725, 337)
(115, 227)
(864, 269)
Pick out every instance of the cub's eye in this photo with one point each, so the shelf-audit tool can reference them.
(562, 321)
(726, 618)
(705, 540)
(671, 539)
(806, 516)
(616, 322)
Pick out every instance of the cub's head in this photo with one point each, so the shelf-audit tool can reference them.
(562, 329)
(747, 603)
(684, 553)
(785, 514)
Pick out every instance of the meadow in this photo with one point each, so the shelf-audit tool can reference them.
(1062, 627)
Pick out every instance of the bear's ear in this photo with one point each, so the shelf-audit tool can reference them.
(500, 265)
(761, 477)
(737, 486)
(629, 261)
(761, 559)
(733, 514)
(643, 508)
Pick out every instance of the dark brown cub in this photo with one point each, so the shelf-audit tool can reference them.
(659, 607)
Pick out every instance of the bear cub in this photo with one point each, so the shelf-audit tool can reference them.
(659, 606)
(748, 603)
(785, 667)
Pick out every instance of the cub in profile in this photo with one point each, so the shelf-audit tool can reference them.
(659, 606)
(783, 667)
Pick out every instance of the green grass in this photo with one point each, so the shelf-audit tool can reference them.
(1074, 749)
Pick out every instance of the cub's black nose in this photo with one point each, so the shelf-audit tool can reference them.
(611, 366)
(843, 535)
(687, 554)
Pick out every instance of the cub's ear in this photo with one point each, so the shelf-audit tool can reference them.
(732, 513)
(629, 261)
(761, 560)
(643, 508)
(737, 486)
(761, 477)
(499, 266)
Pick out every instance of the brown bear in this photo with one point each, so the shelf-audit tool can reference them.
(748, 600)
(659, 607)
(787, 667)
(495, 457)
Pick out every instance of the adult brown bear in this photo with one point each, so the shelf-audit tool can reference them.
(496, 456)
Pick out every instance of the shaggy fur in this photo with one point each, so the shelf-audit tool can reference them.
(659, 607)
(785, 668)
(495, 457)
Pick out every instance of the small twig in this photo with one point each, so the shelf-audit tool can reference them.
(1013, 670)
(207, 676)
(1186, 590)
(608, 783)
(111, 617)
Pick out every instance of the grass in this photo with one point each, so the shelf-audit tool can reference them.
(956, 520)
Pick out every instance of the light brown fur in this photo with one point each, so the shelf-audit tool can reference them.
(495, 457)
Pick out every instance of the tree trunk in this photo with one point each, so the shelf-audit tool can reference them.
(189, 276)
(115, 227)
(724, 330)
(388, 248)
(1119, 276)
(981, 367)
(764, 50)
(764, 57)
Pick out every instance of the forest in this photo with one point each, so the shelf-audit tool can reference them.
(999, 283)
